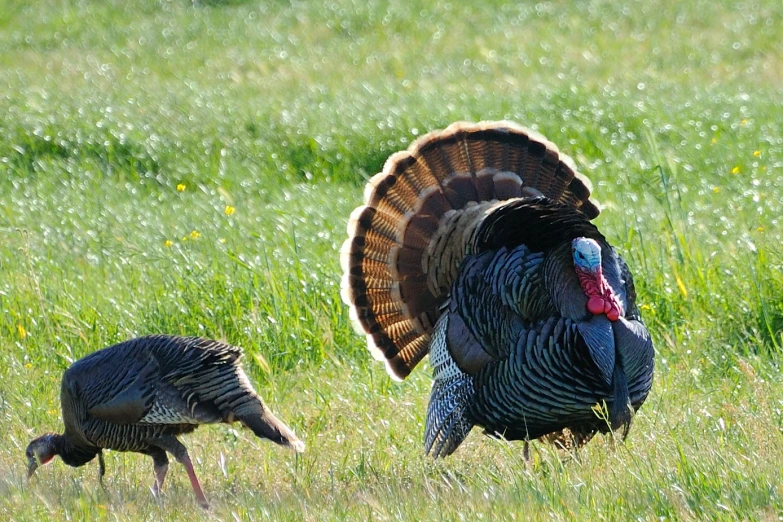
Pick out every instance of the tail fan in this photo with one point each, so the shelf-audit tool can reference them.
(420, 217)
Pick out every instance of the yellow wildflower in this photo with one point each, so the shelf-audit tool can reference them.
(168, 243)
(229, 210)
(28, 365)
(757, 153)
(223, 240)
(181, 187)
(760, 229)
(744, 122)
(716, 189)
(21, 331)
(735, 170)
(714, 141)
(681, 286)
(195, 234)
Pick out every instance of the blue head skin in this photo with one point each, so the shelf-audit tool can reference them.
(587, 255)
(601, 298)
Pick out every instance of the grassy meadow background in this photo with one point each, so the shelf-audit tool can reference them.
(189, 167)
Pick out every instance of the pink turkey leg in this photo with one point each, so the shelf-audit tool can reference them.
(202, 500)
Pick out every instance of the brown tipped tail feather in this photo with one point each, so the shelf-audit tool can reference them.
(419, 218)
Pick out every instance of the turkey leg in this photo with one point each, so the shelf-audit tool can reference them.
(180, 452)
(161, 467)
(101, 467)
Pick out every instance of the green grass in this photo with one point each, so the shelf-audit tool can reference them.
(282, 110)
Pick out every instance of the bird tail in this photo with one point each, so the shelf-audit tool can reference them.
(266, 426)
(419, 219)
(245, 405)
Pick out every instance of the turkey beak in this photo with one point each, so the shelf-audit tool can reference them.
(32, 465)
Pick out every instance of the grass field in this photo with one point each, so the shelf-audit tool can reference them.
(189, 167)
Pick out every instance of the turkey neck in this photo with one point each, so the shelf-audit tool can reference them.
(72, 453)
(563, 284)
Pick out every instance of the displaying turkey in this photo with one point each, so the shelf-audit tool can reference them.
(140, 394)
(475, 245)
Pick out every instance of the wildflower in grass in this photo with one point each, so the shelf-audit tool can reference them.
(181, 187)
(714, 141)
(681, 286)
(229, 210)
(716, 189)
(21, 331)
(757, 153)
(168, 243)
(744, 122)
(760, 229)
(735, 170)
(195, 234)
(184, 238)
(223, 240)
(28, 365)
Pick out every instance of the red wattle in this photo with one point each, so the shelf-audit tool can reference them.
(595, 305)
(601, 299)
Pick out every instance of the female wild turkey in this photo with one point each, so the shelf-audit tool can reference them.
(140, 394)
(475, 245)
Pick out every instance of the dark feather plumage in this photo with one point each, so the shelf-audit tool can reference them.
(464, 250)
(141, 394)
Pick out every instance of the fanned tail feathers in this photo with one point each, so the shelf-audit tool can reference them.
(420, 218)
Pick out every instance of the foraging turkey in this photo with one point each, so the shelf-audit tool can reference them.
(140, 394)
(475, 245)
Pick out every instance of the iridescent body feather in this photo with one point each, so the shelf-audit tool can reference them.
(475, 245)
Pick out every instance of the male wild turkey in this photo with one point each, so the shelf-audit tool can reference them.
(476, 245)
(140, 394)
